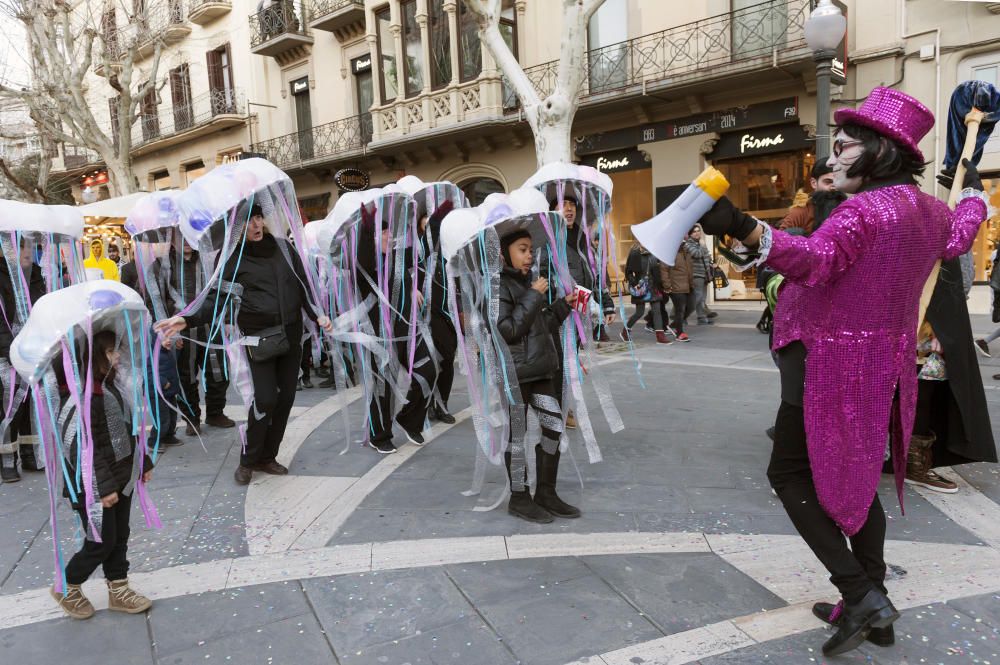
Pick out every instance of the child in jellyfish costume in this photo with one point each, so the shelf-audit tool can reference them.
(583, 195)
(499, 318)
(373, 242)
(434, 200)
(214, 217)
(85, 351)
(39, 249)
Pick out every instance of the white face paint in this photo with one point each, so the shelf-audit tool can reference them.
(852, 150)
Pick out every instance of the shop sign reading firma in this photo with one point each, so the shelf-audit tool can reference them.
(620, 160)
(761, 141)
(726, 120)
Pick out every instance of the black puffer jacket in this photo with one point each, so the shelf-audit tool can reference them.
(273, 291)
(107, 421)
(527, 324)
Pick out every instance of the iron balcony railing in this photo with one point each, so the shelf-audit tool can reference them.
(348, 135)
(195, 4)
(321, 8)
(276, 18)
(725, 43)
(75, 156)
(180, 117)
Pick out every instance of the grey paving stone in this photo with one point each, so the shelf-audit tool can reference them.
(983, 476)
(756, 502)
(461, 643)
(985, 608)
(297, 640)
(679, 592)
(801, 649)
(715, 522)
(181, 624)
(365, 610)
(922, 521)
(939, 634)
(536, 604)
(104, 638)
(367, 525)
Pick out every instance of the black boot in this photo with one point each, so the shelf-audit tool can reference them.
(547, 468)
(521, 505)
(875, 610)
(8, 468)
(28, 461)
(830, 613)
(441, 414)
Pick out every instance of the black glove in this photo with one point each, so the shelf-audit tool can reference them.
(724, 218)
(947, 177)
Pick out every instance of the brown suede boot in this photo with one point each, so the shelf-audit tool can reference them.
(122, 598)
(661, 338)
(73, 602)
(918, 466)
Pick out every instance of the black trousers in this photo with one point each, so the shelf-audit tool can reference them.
(274, 384)
(542, 397)
(446, 344)
(190, 362)
(654, 311)
(682, 303)
(413, 415)
(111, 553)
(855, 570)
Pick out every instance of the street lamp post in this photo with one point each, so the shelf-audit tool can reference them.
(824, 29)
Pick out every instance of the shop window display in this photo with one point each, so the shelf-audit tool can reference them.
(765, 187)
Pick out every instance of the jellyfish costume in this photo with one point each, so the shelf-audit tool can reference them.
(433, 201)
(47, 355)
(588, 247)
(41, 255)
(470, 241)
(157, 241)
(372, 240)
(213, 216)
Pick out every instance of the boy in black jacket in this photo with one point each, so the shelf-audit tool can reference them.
(528, 322)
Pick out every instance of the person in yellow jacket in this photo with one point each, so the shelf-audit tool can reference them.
(98, 260)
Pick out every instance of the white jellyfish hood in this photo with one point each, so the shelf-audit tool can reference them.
(76, 308)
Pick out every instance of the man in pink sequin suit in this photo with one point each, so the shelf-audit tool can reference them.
(845, 334)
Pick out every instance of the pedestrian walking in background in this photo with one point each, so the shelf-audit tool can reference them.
(678, 281)
(642, 272)
(701, 274)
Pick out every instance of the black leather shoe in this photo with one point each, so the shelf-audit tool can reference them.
(443, 416)
(243, 475)
(828, 613)
(875, 610)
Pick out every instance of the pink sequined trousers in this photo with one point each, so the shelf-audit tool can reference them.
(851, 295)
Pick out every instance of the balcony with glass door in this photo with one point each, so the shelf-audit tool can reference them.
(453, 93)
(279, 29)
(204, 12)
(344, 18)
(754, 39)
(164, 125)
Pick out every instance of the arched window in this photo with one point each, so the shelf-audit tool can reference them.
(477, 189)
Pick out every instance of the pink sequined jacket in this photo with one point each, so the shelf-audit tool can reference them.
(851, 297)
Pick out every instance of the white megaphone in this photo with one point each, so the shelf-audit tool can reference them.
(662, 236)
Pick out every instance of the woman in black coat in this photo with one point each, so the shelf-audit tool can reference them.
(274, 297)
(955, 410)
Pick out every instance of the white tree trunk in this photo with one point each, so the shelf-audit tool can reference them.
(63, 39)
(550, 119)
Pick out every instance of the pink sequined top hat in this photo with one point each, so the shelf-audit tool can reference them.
(894, 114)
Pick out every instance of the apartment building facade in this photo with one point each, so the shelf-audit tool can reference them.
(376, 89)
